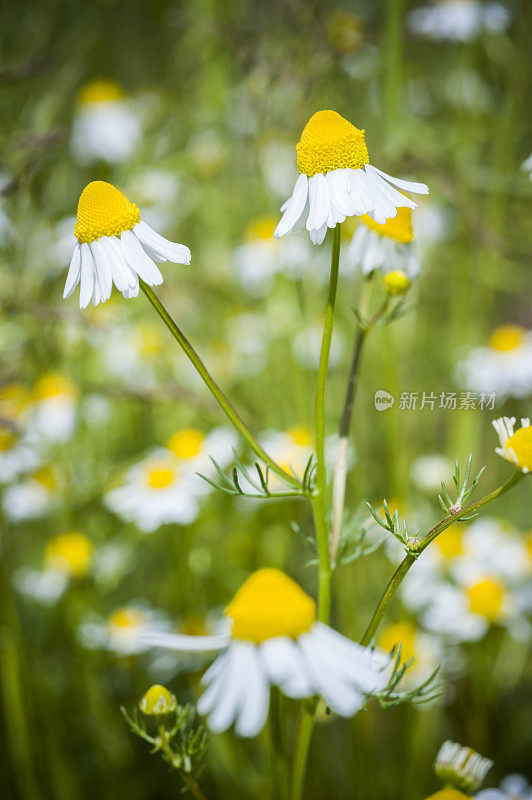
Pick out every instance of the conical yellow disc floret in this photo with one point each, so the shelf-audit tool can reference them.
(101, 91)
(521, 445)
(507, 337)
(103, 211)
(398, 228)
(330, 142)
(270, 604)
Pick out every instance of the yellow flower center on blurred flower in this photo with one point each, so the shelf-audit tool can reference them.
(330, 142)
(396, 282)
(486, 598)
(261, 228)
(14, 399)
(450, 543)
(45, 477)
(7, 439)
(103, 211)
(101, 91)
(53, 385)
(521, 446)
(159, 477)
(300, 436)
(398, 228)
(69, 552)
(403, 633)
(507, 338)
(186, 443)
(158, 700)
(270, 604)
(124, 618)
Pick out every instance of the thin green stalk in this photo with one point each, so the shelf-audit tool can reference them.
(299, 763)
(215, 390)
(191, 784)
(411, 558)
(319, 501)
(280, 772)
(392, 67)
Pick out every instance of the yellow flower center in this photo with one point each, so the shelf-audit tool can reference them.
(124, 618)
(403, 633)
(399, 228)
(450, 543)
(53, 385)
(300, 436)
(330, 142)
(449, 794)
(101, 91)
(186, 443)
(160, 476)
(521, 445)
(7, 440)
(45, 477)
(103, 211)
(158, 700)
(507, 338)
(261, 228)
(395, 282)
(270, 604)
(486, 598)
(69, 552)
(14, 399)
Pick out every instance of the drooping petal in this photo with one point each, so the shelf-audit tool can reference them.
(74, 272)
(138, 259)
(408, 186)
(103, 267)
(254, 710)
(319, 202)
(286, 667)
(293, 208)
(170, 251)
(87, 276)
(186, 644)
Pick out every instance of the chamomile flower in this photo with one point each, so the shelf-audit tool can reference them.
(273, 638)
(54, 410)
(17, 456)
(155, 492)
(31, 498)
(516, 447)
(104, 128)
(388, 247)
(512, 787)
(194, 450)
(504, 366)
(125, 630)
(337, 181)
(458, 20)
(115, 246)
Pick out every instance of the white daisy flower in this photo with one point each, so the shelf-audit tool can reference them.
(504, 366)
(125, 630)
(337, 181)
(17, 456)
(490, 546)
(461, 766)
(32, 498)
(428, 471)
(274, 638)
(156, 492)
(458, 20)
(54, 410)
(512, 787)
(388, 247)
(516, 447)
(115, 246)
(194, 450)
(104, 126)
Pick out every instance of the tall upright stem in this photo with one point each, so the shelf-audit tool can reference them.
(215, 390)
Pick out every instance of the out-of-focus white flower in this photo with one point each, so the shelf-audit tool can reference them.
(388, 247)
(306, 346)
(32, 498)
(526, 166)
(504, 366)
(131, 353)
(261, 257)
(193, 451)
(115, 246)
(274, 638)
(17, 456)
(512, 787)
(461, 766)
(416, 644)
(428, 472)
(277, 166)
(15, 403)
(125, 629)
(516, 447)
(54, 410)
(458, 20)
(337, 181)
(156, 492)
(104, 128)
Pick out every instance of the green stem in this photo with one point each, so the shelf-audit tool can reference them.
(215, 390)
(277, 747)
(304, 735)
(191, 784)
(392, 68)
(411, 558)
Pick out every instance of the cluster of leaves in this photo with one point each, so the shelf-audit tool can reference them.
(426, 691)
(463, 489)
(396, 526)
(259, 482)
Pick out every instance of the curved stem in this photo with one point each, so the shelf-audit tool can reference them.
(411, 558)
(215, 390)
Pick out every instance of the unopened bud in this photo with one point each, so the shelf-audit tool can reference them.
(396, 282)
(158, 701)
(461, 767)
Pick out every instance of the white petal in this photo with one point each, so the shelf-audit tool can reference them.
(294, 207)
(360, 196)
(317, 236)
(233, 687)
(123, 276)
(286, 667)
(398, 199)
(138, 260)
(254, 709)
(342, 697)
(408, 186)
(103, 267)
(170, 251)
(339, 192)
(186, 644)
(319, 202)
(74, 272)
(88, 276)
